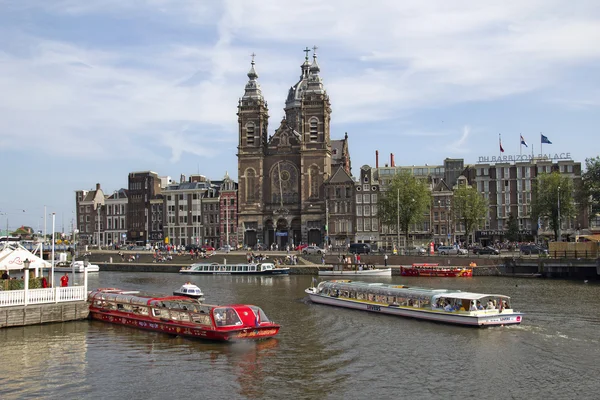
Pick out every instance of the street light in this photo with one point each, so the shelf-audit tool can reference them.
(558, 230)
(26, 264)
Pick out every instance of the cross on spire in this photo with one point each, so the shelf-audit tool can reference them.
(252, 55)
(315, 48)
(306, 50)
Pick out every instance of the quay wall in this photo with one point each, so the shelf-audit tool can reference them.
(43, 313)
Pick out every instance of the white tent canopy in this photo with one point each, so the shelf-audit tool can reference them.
(11, 258)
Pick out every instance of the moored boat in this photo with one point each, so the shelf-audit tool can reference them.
(429, 269)
(235, 269)
(178, 315)
(78, 266)
(441, 305)
(189, 290)
(356, 270)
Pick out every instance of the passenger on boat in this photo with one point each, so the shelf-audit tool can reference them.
(479, 305)
(448, 307)
(219, 318)
(490, 305)
(473, 306)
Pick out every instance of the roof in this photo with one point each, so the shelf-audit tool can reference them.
(593, 238)
(12, 257)
(340, 176)
(468, 295)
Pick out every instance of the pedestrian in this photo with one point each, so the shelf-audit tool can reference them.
(44, 282)
(385, 258)
(64, 280)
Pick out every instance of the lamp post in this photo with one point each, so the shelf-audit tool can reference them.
(398, 221)
(26, 264)
(558, 239)
(52, 270)
(98, 218)
(326, 223)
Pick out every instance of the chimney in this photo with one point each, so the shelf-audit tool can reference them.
(97, 186)
(376, 158)
(182, 178)
(392, 163)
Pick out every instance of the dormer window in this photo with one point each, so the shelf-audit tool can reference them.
(334, 152)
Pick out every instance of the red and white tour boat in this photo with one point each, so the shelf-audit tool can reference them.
(179, 315)
(426, 269)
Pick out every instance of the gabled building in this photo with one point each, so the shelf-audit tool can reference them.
(116, 218)
(340, 208)
(228, 213)
(144, 208)
(90, 216)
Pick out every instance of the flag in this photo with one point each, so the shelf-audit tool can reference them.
(523, 142)
(501, 148)
(545, 140)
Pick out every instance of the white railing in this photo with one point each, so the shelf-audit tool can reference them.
(10, 298)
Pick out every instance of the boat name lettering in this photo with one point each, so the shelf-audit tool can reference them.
(505, 318)
(373, 308)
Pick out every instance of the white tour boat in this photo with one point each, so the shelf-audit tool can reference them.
(441, 305)
(79, 265)
(189, 290)
(235, 269)
(356, 270)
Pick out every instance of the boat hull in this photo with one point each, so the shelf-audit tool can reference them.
(365, 272)
(191, 296)
(279, 271)
(468, 319)
(187, 330)
(437, 272)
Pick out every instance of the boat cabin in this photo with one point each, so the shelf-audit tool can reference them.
(216, 268)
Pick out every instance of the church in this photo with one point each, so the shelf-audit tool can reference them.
(283, 177)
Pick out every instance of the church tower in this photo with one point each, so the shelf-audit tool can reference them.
(253, 117)
(281, 192)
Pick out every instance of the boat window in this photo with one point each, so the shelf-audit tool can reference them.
(260, 314)
(226, 316)
(253, 268)
(228, 269)
(202, 319)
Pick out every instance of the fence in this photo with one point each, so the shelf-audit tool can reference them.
(10, 298)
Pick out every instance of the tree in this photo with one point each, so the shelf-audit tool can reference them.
(549, 192)
(405, 202)
(468, 207)
(589, 192)
(512, 229)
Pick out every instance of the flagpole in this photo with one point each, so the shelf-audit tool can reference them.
(541, 145)
(520, 147)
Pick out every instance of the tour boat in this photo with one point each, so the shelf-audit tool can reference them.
(190, 290)
(179, 315)
(355, 270)
(441, 305)
(79, 265)
(235, 269)
(425, 269)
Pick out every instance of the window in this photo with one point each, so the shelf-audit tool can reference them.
(313, 176)
(359, 211)
(366, 188)
(250, 134)
(359, 199)
(314, 130)
(374, 198)
(366, 198)
(367, 211)
(250, 186)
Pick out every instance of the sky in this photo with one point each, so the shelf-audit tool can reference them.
(92, 90)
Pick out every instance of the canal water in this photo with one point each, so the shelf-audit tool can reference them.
(321, 351)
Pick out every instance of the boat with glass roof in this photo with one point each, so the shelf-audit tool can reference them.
(440, 305)
(179, 315)
(264, 268)
(429, 269)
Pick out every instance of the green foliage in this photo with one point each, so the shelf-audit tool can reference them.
(547, 190)
(589, 191)
(405, 202)
(512, 232)
(469, 207)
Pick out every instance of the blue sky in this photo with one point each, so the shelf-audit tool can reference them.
(95, 89)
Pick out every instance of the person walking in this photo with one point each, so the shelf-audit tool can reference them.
(64, 280)
(385, 259)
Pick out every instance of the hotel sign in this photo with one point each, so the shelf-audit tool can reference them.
(525, 232)
(524, 157)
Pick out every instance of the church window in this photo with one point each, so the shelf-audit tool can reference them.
(250, 185)
(314, 130)
(313, 177)
(250, 134)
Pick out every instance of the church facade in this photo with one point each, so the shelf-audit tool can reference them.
(282, 177)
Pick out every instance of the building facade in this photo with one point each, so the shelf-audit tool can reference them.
(281, 193)
(90, 216)
(144, 208)
(228, 213)
(340, 209)
(116, 218)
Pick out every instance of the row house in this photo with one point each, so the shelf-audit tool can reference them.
(90, 216)
(228, 213)
(116, 218)
(367, 195)
(340, 209)
(144, 212)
